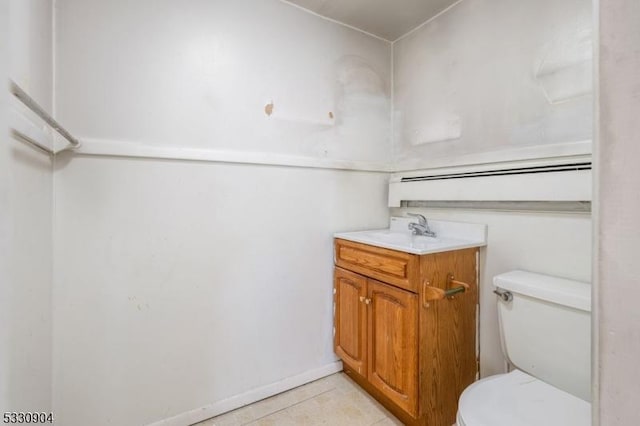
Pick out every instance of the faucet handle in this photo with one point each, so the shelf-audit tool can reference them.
(421, 219)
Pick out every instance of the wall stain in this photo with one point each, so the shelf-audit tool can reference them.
(268, 109)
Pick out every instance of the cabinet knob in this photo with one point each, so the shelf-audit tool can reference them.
(367, 301)
(362, 298)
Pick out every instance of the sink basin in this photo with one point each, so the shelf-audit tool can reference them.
(403, 241)
(403, 238)
(449, 236)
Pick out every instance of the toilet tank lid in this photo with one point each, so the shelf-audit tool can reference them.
(575, 294)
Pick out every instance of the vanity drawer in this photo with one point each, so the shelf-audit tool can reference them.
(390, 266)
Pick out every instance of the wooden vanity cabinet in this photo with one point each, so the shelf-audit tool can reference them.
(414, 355)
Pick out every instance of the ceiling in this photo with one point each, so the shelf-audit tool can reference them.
(388, 19)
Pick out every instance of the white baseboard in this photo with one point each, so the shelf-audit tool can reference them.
(199, 414)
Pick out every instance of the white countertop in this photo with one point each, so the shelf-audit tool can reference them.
(449, 236)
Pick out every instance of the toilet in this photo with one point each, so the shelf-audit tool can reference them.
(545, 328)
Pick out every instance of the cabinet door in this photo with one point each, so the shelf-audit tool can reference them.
(350, 319)
(393, 344)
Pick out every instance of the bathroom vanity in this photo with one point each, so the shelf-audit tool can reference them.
(405, 316)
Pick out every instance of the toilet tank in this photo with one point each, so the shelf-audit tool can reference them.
(546, 329)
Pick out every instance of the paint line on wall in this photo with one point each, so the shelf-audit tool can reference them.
(442, 129)
(566, 72)
(291, 118)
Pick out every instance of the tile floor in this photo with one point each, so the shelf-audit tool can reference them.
(334, 401)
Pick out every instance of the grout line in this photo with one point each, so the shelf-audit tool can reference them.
(289, 406)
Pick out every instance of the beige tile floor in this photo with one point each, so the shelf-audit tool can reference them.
(334, 401)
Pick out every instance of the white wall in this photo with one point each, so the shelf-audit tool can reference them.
(199, 75)
(617, 227)
(179, 284)
(166, 296)
(549, 243)
(31, 48)
(493, 77)
(25, 218)
(5, 218)
(490, 75)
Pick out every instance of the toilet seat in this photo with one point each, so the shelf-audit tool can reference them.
(518, 399)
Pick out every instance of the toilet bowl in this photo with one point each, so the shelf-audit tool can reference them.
(545, 331)
(517, 398)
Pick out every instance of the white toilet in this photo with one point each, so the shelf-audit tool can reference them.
(545, 327)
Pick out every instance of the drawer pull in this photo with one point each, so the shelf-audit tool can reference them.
(434, 293)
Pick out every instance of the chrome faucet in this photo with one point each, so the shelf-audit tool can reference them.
(422, 227)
